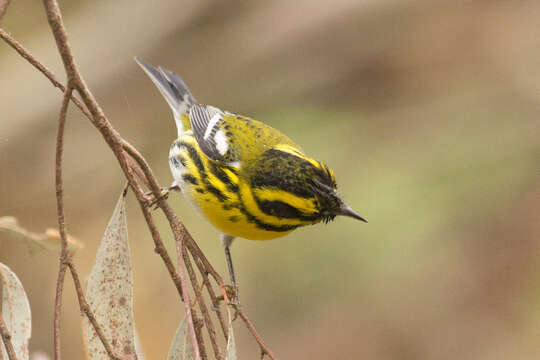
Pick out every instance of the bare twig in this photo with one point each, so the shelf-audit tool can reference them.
(251, 328)
(25, 54)
(85, 308)
(6, 338)
(202, 306)
(198, 255)
(65, 258)
(61, 221)
(109, 133)
(180, 256)
(213, 297)
(160, 248)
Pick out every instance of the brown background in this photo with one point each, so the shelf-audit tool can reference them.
(428, 112)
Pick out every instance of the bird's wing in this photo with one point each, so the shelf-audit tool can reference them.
(211, 128)
(233, 139)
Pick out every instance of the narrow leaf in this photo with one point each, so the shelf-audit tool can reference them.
(231, 344)
(110, 291)
(181, 348)
(16, 313)
(50, 240)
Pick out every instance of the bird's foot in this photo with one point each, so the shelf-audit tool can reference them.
(232, 299)
(152, 200)
(234, 302)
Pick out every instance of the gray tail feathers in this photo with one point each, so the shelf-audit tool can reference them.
(171, 87)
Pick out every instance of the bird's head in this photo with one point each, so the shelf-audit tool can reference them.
(323, 184)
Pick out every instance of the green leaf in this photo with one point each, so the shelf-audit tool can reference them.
(181, 348)
(16, 313)
(50, 240)
(109, 291)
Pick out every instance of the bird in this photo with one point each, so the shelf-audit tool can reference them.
(246, 178)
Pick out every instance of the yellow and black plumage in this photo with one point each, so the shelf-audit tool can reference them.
(248, 179)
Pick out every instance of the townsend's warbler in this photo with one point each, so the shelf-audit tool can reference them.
(248, 179)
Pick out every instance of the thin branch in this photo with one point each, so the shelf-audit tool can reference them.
(251, 328)
(57, 26)
(109, 133)
(202, 306)
(58, 308)
(180, 256)
(151, 180)
(160, 248)
(197, 253)
(6, 337)
(65, 258)
(85, 308)
(61, 221)
(42, 68)
(213, 297)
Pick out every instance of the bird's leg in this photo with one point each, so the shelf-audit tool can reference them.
(226, 241)
(152, 200)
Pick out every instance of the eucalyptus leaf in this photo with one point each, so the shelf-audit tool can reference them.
(181, 348)
(109, 292)
(231, 344)
(16, 313)
(36, 242)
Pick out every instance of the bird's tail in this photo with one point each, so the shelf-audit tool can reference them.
(173, 89)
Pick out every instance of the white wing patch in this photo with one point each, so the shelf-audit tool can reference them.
(211, 131)
(213, 121)
(221, 142)
(235, 164)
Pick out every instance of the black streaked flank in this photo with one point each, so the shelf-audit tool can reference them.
(190, 179)
(212, 189)
(222, 175)
(194, 157)
(192, 152)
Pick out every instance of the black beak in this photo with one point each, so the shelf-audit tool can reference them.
(346, 210)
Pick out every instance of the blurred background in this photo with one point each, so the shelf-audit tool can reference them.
(427, 110)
